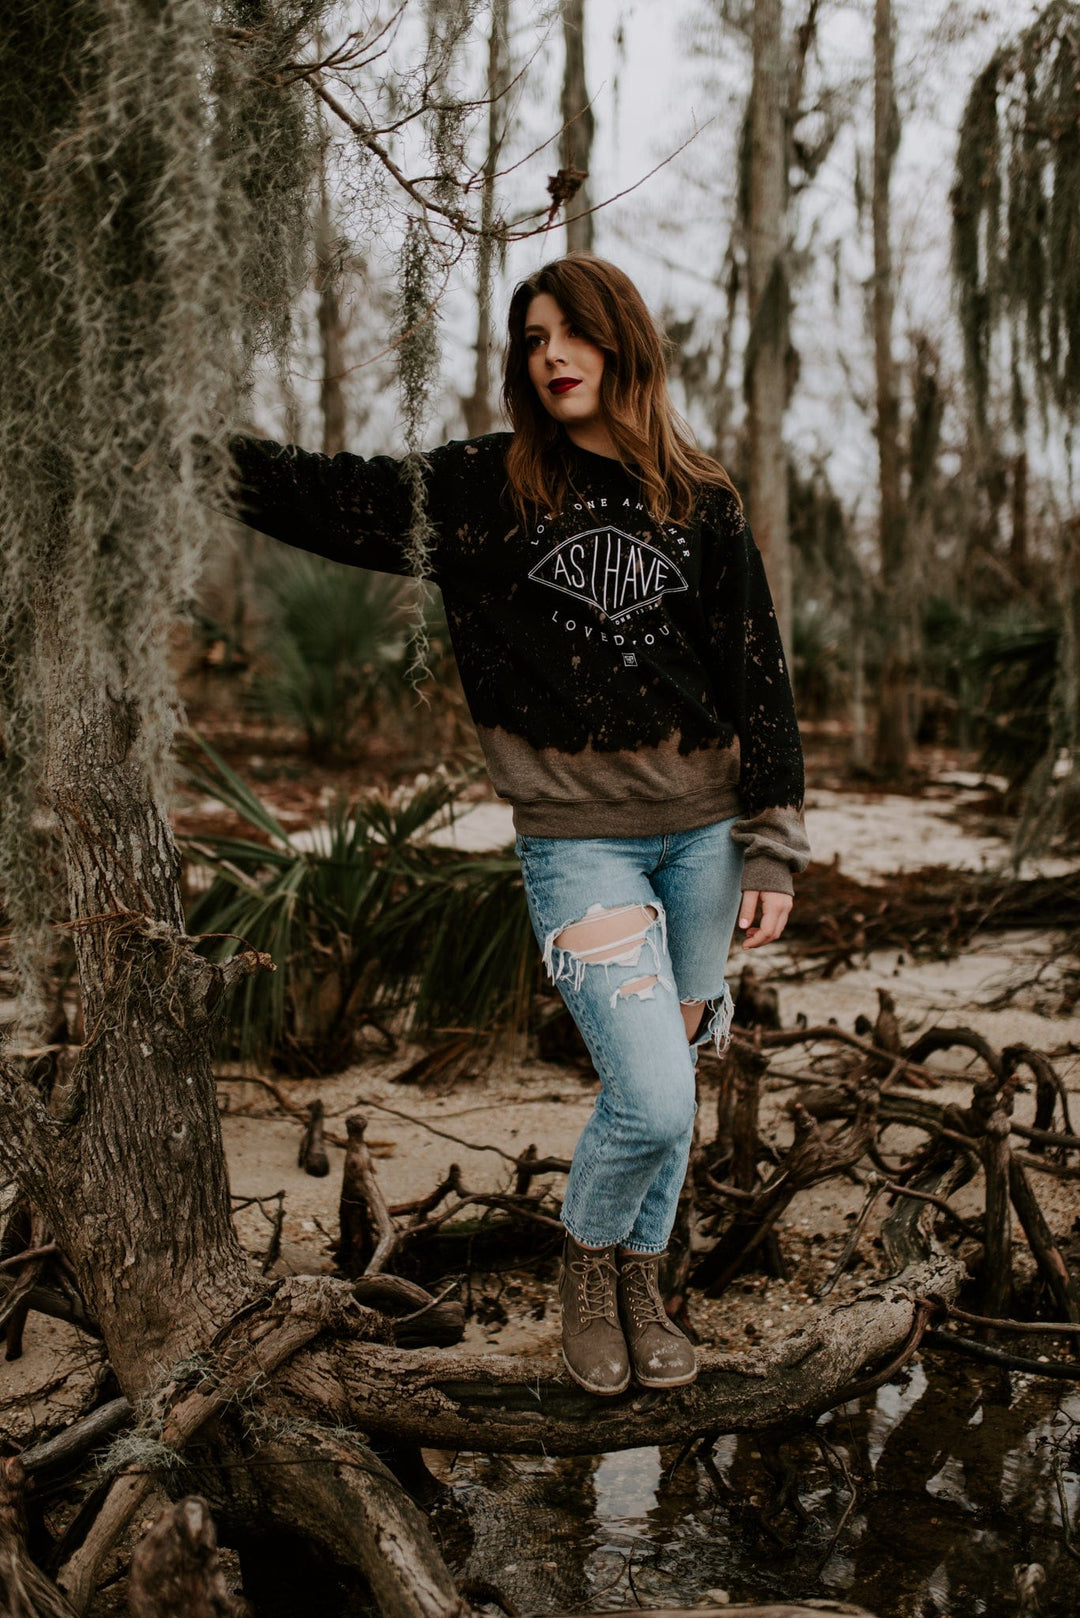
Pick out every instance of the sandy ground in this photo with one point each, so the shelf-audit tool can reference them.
(512, 1103)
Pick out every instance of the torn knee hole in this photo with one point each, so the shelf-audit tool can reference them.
(608, 935)
(643, 987)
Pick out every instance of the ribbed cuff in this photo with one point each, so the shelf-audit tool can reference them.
(764, 875)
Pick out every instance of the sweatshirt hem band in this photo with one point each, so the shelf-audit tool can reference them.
(623, 817)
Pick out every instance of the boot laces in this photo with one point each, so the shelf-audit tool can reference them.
(643, 1293)
(596, 1292)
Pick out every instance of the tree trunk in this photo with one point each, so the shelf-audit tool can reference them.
(575, 148)
(331, 328)
(1019, 561)
(478, 408)
(131, 1176)
(860, 751)
(893, 746)
(767, 347)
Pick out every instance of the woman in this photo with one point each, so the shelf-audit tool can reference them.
(620, 655)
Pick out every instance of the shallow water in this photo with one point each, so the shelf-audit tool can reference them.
(954, 1473)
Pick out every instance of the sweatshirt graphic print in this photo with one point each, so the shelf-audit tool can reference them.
(625, 678)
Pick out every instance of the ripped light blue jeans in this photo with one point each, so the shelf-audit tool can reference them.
(678, 897)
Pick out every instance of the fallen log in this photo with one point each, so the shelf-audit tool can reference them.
(516, 1405)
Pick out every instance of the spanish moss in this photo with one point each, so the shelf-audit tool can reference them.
(448, 26)
(150, 247)
(1016, 212)
(1016, 242)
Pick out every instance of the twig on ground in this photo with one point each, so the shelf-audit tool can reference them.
(444, 1134)
(1058, 1370)
(874, 1191)
(1040, 1328)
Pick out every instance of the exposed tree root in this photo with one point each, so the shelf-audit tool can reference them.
(25, 1592)
(175, 1571)
(329, 1491)
(306, 1352)
(255, 1345)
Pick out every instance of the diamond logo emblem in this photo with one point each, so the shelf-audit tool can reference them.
(610, 570)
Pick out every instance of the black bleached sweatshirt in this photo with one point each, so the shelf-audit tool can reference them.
(625, 678)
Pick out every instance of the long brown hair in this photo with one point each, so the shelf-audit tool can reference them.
(651, 437)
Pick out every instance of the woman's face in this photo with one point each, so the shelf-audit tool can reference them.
(564, 367)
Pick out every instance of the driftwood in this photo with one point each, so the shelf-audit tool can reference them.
(811, 1158)
(961, 1138)
(332, 1491)
(175, 1572)
(1049, 1089)
(51, 1301)
(1055, 1370)
(368, 1234)
(71, 1446)
(312, 1156)
(1048, 1255)
(416, 1319)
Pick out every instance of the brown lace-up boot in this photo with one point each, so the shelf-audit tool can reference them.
(593, 1345)
(661, 1355)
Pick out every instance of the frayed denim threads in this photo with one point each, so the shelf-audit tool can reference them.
(573, 964)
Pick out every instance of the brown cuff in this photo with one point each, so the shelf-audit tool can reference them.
(763, 875)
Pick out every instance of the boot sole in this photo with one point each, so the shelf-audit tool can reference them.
(677, 1382)
(604, 1393)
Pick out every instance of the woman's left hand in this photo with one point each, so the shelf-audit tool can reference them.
(775, 910)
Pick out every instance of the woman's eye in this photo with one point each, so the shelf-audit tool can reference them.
(531, 342)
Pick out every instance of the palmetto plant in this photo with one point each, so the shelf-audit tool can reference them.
(372, 919)
(1017, 663)
(334, 638)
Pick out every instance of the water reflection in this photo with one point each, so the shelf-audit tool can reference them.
(626, 1485)
(954, 1473)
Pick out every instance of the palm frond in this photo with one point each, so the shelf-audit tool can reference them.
(374, 916)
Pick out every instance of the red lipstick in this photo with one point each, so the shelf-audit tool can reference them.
(563, 384)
